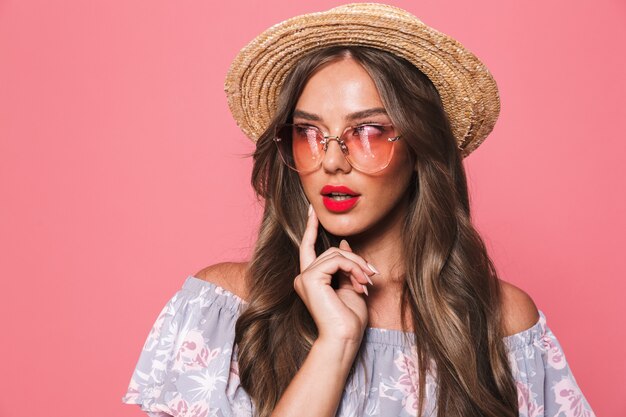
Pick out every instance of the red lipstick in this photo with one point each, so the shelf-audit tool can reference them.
(339, 198)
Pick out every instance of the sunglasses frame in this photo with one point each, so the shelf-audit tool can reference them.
(326, 140)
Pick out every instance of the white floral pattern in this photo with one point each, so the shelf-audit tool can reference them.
(188, 367)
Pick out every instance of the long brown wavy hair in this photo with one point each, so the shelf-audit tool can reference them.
(450, 287)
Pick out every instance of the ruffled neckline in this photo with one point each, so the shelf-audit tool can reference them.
(373, 335)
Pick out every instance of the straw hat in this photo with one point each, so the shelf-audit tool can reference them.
(467, 88)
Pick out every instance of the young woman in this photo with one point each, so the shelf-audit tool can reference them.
(369, 291)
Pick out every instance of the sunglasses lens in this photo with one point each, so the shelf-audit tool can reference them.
(299, 147)
(369, 148)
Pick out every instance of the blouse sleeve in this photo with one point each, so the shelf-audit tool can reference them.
(188, 364)
(545, 383)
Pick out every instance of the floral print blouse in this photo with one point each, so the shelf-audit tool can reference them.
(188, 366)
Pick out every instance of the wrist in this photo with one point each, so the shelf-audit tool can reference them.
(342, 350)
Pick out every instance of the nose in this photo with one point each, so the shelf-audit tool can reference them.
(334, 158)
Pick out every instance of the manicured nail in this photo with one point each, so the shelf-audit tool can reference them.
(364, 289)
(374, 270)
(310, 209)
(368, 279)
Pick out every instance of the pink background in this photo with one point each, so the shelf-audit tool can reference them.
(121, 173)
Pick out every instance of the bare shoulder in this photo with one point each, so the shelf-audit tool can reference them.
(228, 275)
(518, 308)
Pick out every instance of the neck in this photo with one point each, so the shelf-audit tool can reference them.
(381, 246)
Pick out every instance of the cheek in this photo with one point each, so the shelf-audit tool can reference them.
(308, 187)
(392, 190)
(391, 186)
(399, 174)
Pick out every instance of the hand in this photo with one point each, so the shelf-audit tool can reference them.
(339, 315)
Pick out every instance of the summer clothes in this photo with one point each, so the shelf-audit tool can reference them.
(188, 366)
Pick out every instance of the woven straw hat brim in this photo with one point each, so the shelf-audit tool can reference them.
(467, 89)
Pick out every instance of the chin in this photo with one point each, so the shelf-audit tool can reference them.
(342, 225)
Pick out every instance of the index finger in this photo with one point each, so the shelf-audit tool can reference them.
(307, 245)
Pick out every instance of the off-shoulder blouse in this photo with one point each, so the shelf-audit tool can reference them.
(188, 366)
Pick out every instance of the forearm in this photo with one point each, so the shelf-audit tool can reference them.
(317, 387)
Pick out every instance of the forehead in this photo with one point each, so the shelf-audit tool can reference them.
(339, 88)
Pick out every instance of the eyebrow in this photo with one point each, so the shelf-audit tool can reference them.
(352, 116)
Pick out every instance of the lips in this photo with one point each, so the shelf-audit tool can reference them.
(337, 189)
(338, 205)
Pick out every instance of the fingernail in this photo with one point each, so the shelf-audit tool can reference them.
(374, 270)
(310, 209)
(365, 289)
(368, 279)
